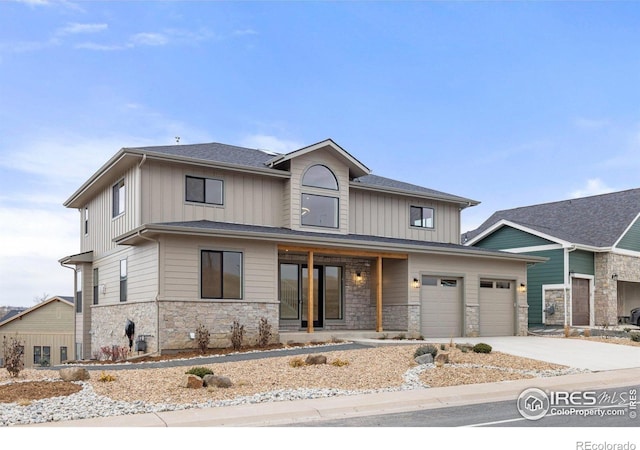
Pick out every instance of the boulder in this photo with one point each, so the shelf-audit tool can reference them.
(316, 359)
(191, 381)
(441, 359)
(217, 381)
(74, 374)
(425, 359)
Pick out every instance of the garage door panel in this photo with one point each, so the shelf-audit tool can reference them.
(441, 307)
(497, 309)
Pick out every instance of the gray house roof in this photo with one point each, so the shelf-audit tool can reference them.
(597, 221)
(261, 159)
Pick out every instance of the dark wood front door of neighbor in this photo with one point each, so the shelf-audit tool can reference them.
(580, 302)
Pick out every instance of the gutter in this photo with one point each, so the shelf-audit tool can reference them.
(75, 314)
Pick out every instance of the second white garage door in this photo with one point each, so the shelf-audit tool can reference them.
(497, 310)
(441, 307)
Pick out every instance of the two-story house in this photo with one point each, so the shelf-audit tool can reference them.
(592, 276)
(177, 236)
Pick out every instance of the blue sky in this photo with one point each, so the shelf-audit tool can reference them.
(508, 103)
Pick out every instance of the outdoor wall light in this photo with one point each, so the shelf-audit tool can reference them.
(358, 277)
(614, 277)
(522, 288)
(415, 283)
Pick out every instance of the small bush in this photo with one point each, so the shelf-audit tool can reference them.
(297, 362)
(384, 336)
(567, 331)
(464, 349)
(586, 332)
(202, 338)
(401, 337)
(340, 362)
(199, 371)
(104, 377)
(443, 347)
(264, 332)
(634, 336)
(482, 348)
(237, 335)
(13, 355)
(424, 349)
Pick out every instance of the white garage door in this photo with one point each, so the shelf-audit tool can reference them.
(497, 309)
(441, 307)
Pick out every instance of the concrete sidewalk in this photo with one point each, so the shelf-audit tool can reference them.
(281, 413)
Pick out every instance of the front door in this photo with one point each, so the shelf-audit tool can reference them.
(318, 296)
(580, 302)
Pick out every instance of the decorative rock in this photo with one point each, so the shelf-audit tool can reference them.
(425, 359)
(316, 359)
(74, 374)
(217, 381)
(441, 359)
(191, 381)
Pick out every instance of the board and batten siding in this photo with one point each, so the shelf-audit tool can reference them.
(631, 239)
(299, 166)
(249, 199)
(582, 262)
(395, 285)
(180, 271)
(386, 215)
(508, 237)
(103, 227)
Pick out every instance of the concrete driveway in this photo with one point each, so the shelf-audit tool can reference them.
(582, 354)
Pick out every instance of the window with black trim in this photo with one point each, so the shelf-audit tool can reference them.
(123, 280)
(204, 190)
(86, 221)
(42, 355)
(320, 210)
(96, 288)
(79, 291)
(63, 354)
(220, 274)
(118, 195)
(420, 216)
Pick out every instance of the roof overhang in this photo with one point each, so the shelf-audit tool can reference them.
(390, 246)
(80, 258)
(460, 201)
(356, 168)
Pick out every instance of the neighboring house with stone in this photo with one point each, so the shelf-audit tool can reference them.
(592, 276)
(172, 237)
(45, 331)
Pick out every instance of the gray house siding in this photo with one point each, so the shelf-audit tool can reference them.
(631, 239)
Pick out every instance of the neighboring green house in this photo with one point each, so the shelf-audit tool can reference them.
(592, 276)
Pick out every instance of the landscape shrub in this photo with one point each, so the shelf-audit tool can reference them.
(297, 362)
(199, 371)
(104, 377)
(340, 362)
(264, 332)
(634, 336)
(424, 349)
(482, 348)
(202, 338)
(13, 355)
(237, 335)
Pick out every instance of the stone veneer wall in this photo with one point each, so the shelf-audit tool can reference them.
(554, 297)
(472, 320)
(180, 318)
(401, 318)
(108, 323)
(627, 268)
(522, 323)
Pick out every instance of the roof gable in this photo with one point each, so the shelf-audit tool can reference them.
(598, 221)
(35, 308)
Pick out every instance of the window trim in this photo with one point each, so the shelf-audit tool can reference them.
(118, 203)
(422, 208)
(66, 353)
(337, 211)
(86, 220)
(222, 290)
(204, 180)
(335, 179)
(96, 285)
(124, 280)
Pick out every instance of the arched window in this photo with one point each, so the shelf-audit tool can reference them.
(321, 177)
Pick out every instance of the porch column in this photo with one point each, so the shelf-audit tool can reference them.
(379, 295)
(310, 292)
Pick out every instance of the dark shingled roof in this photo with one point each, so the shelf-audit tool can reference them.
(597, 221)
(12, 313)
(254, 158)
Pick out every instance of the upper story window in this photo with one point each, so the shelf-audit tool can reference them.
(204, 190)
(420, 216)
(316, 209)
(321, 177)
(118, 191)
(86, 220)
(123, 280)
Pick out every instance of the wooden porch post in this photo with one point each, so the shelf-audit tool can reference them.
(310, 298)
(379, 295)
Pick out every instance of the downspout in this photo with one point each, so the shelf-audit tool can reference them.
(567, 285)
(157, 297)
(75, 315)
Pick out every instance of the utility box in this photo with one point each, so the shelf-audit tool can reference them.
(141, 344)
